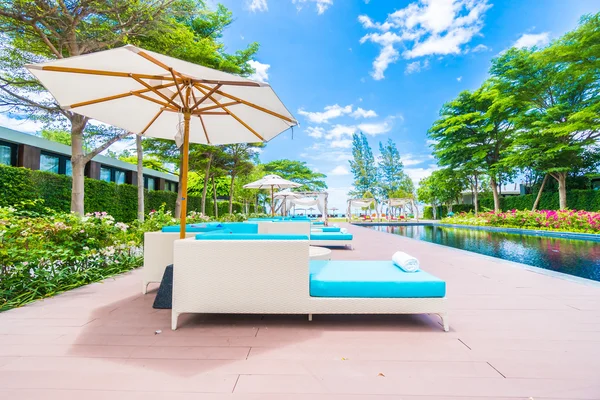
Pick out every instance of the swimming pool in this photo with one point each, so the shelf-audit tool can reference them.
(570, 256)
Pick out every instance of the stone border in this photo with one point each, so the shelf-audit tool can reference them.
(532, 232)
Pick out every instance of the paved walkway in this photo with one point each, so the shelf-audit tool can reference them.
(515, 334)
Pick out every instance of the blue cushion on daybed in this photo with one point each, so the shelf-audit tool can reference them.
(246, 236)
(371, 279)
(318, 223)
(330, 229)
(330, 236)
(200, 227)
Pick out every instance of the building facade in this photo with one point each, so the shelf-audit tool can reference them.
(20, 149)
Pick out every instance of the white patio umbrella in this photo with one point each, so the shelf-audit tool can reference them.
(154, 95)
(272, 182)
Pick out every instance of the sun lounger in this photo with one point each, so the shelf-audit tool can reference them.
(266, 274)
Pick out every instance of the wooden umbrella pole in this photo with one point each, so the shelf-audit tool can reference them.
(272, 202)
(184, 171)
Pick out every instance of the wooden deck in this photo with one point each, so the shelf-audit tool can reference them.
(515, 334)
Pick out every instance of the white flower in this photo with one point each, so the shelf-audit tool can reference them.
(121, 226)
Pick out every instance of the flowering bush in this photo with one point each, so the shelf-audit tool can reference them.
(563, 220)
(41, 255)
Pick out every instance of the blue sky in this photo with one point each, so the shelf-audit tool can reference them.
(320, 57)
(380, 66)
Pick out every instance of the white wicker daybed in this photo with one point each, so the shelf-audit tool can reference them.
(268, 277)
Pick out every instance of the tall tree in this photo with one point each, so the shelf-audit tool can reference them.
(299, 172)
(140, 177)
(557, 94)
(363, 166)
(392, 177)
(473, 134)
(239, 162)
(443, 186)
(35, 31)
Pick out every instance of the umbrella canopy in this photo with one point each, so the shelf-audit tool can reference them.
(155, 95)
(272, 182)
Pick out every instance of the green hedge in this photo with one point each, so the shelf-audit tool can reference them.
(588, 200)
(18, 185)
(442, 211)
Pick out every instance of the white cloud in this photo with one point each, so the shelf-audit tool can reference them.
(416, 66)
(261, 73)
(459, 78)
(338, 131)
(322, 5)
(341, 144)
(362, 113)
(431, 142)
(410, 159)
(21, 125)
(479, 47)
(416, 174)
(533, 39)
(375, 128)
(329, 112)
(257, 5)
(315, 132)
(424, 28)
(340, 170)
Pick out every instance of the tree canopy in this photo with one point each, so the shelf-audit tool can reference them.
(537, 115)
(297, 171)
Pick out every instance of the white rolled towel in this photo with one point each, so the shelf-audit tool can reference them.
(405, 262)
(343, 230)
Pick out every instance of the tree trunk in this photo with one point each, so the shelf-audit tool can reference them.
(449, 205)
(476, 195)
(561, 177)
(434, 207)
(215, 197)
(140, 177)
(495, 193)
(78, 162)
(539, 195)
(177, 212)
(231, 194)
(206, 181)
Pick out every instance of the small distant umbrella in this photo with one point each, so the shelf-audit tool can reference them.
(272, 182)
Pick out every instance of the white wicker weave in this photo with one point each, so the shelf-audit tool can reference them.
(158, 253)
(284, 227)
(266, 277)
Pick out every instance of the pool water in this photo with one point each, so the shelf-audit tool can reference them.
(570, 256)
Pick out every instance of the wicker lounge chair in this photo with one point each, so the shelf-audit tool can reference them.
(272, 274)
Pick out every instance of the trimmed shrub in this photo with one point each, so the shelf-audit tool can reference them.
(442, 211)
(588, 200)
(24, 186)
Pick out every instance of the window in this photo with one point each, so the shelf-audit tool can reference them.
(68, 168)
(149, 183)
(8, 153)
(119, 177)
(111, 174)
(105, 174)
(49, 163)
(171, 186)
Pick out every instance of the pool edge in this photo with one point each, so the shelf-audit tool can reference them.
(514, 264)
